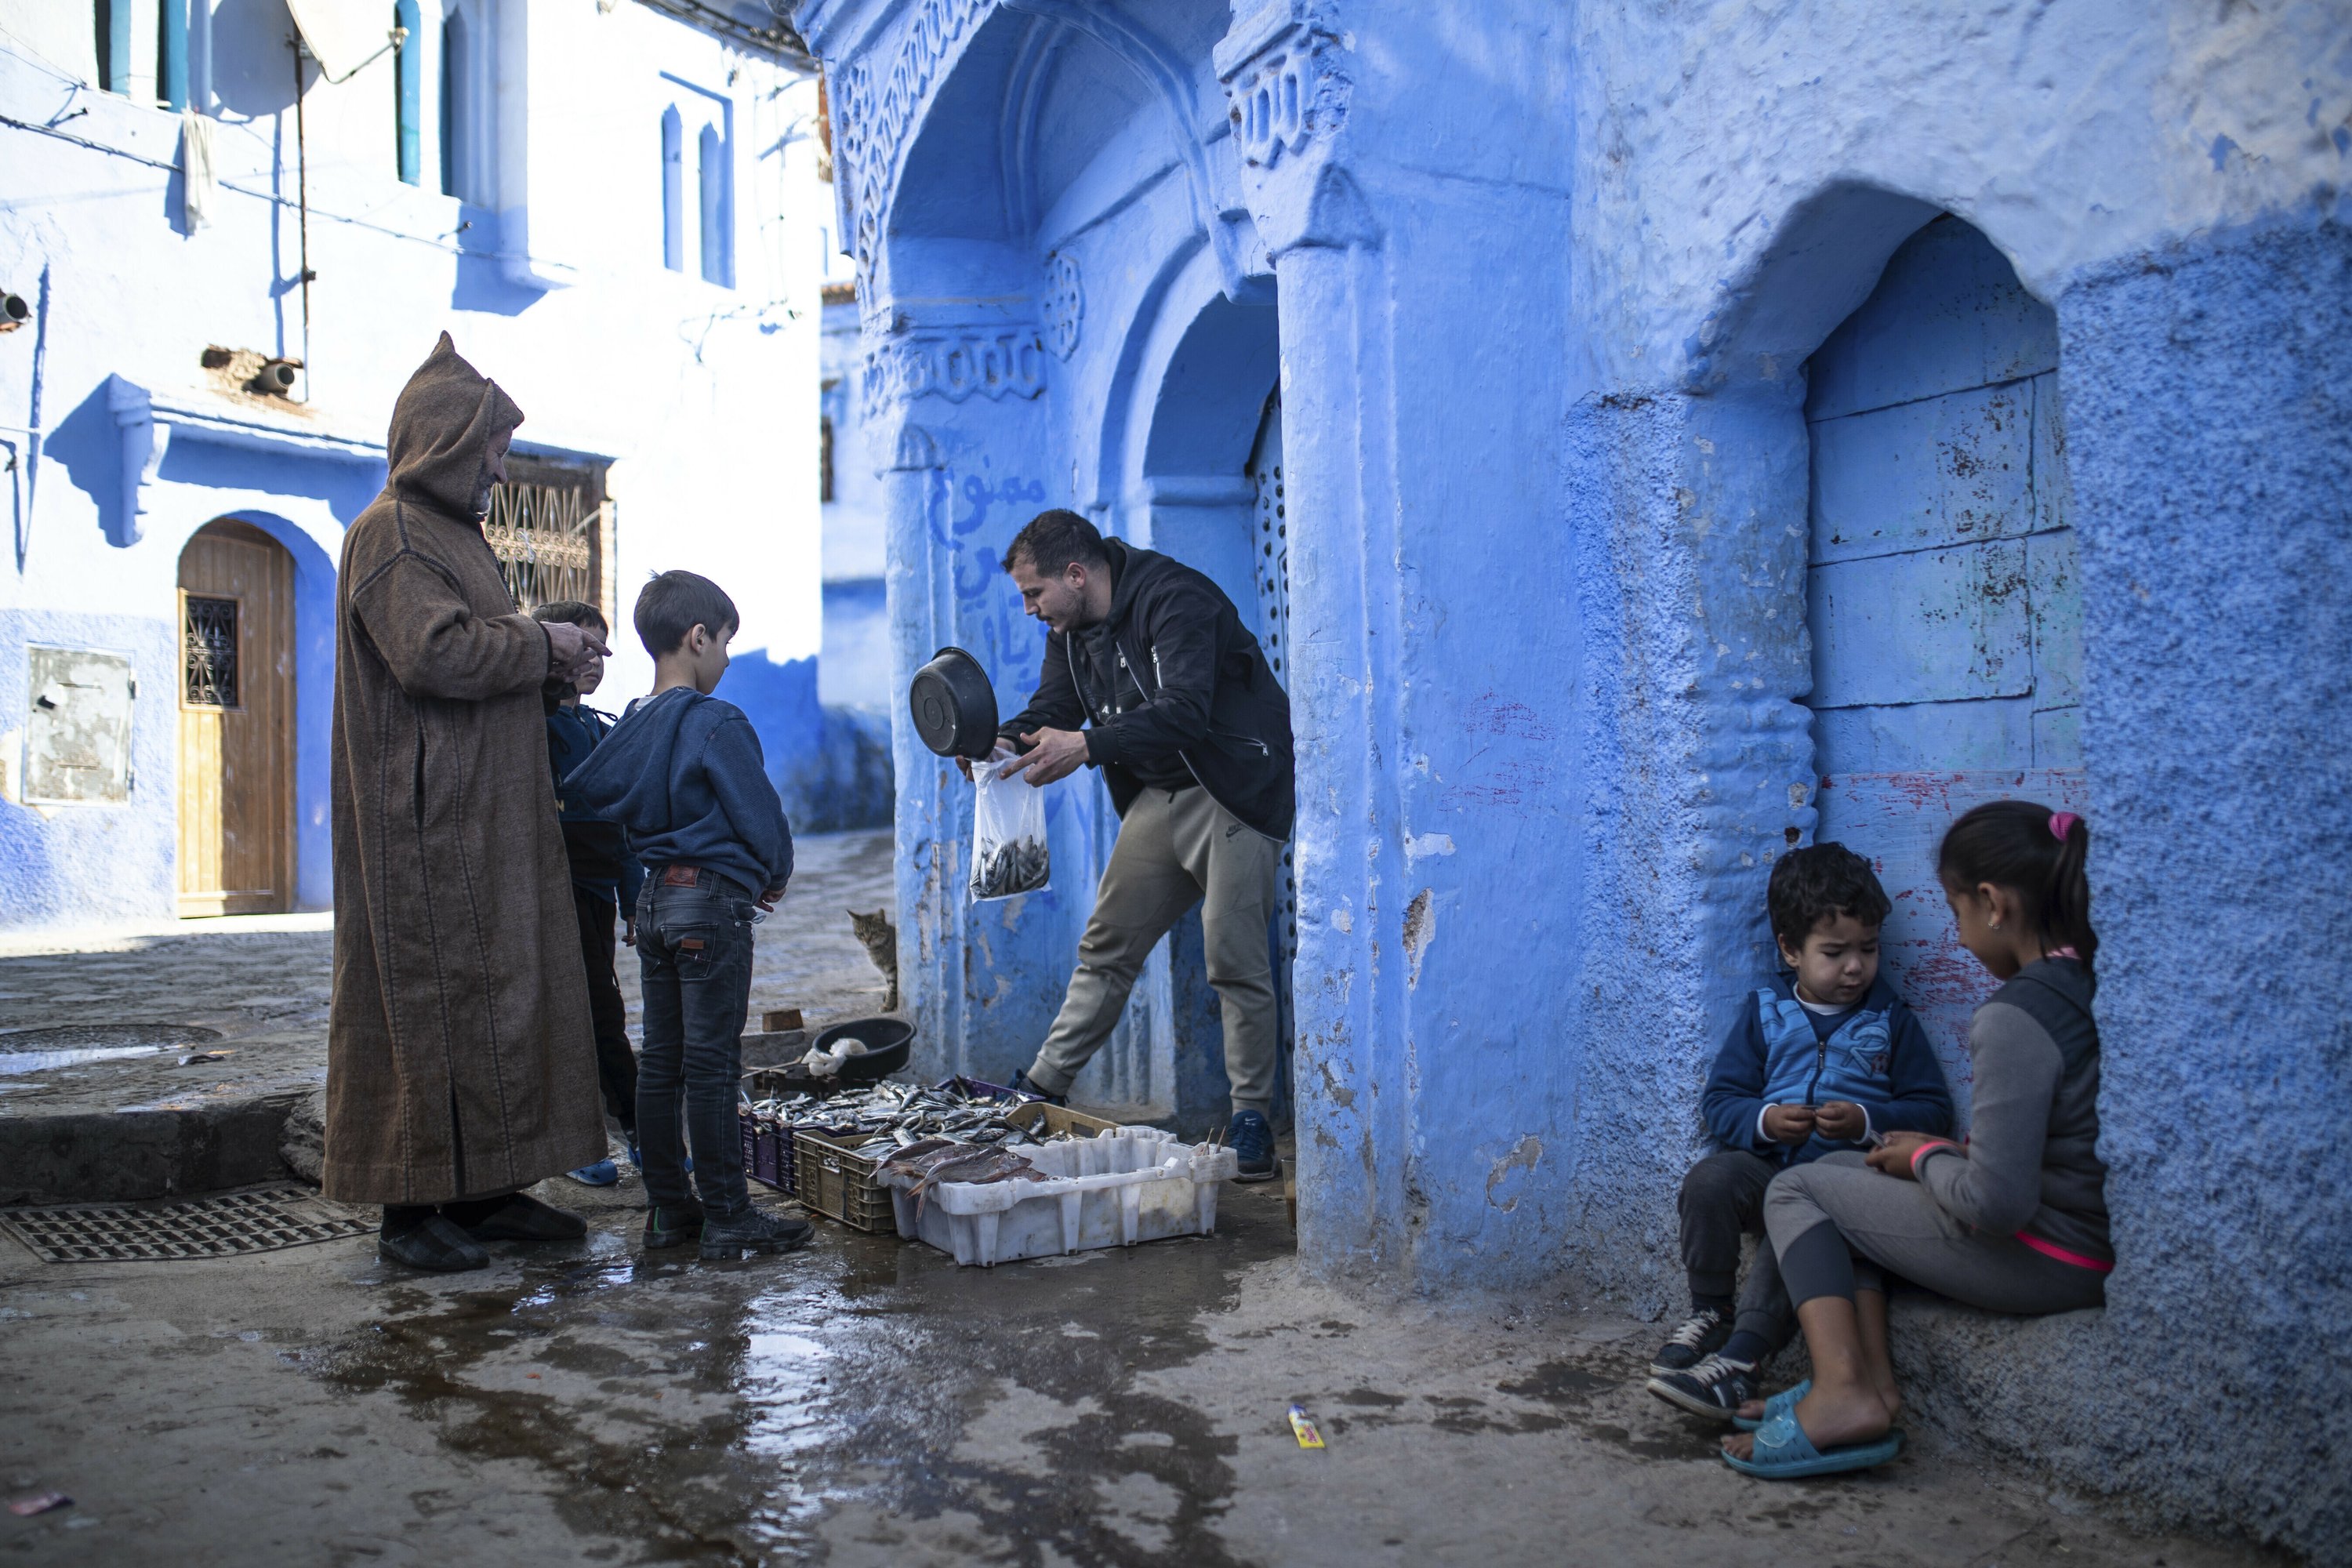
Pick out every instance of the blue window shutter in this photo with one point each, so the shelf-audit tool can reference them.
(172, 54)
(410, 91)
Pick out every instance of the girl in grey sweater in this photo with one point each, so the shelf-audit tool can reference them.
(2014, 1220)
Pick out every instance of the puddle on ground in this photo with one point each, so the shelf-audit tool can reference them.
(23, 1051)
(717, 1412)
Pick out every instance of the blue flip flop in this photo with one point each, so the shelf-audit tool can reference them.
(1779, 1405)
(1783, 1453)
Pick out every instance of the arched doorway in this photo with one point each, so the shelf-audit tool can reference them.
(237, 723)
(1941, 586)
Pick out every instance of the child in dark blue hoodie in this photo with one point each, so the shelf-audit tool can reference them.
(605, 879)
(683, 775)
(1825, 1057)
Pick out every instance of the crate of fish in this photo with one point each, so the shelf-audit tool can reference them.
(768, 1152)
(1051, 1192)
(837, 1181)
(822, 1146)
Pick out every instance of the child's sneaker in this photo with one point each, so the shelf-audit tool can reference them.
(1714, 1388)
(1700, 1336)
(754, 1230)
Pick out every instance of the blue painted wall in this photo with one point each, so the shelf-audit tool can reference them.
(1560, 302)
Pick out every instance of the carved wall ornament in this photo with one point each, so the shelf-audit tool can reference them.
(870, 121)
(1063, 305)
(956, 365)
(1284, 70)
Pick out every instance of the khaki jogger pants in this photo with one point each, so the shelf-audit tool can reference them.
(1175, 848)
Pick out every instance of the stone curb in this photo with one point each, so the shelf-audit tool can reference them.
(123, 1156)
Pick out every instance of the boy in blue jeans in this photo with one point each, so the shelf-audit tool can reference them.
(1826, 1057)
(682, 773)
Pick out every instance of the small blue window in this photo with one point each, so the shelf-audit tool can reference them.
(457, 66)
(717, 241)
(673, 191)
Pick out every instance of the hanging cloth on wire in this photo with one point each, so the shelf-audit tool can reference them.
(198, 180)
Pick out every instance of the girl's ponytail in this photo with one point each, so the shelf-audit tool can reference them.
(2040, 854)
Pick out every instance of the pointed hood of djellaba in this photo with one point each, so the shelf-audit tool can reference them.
(442, 428)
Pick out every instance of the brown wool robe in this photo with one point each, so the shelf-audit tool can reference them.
(460, 1058)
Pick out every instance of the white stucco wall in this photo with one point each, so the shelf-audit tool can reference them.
(702, 396)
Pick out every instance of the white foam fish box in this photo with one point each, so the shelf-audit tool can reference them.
(1120, 1187)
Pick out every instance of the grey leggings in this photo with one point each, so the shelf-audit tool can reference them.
(1837, 1224)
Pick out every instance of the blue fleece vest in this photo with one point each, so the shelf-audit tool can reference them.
(1801, 1069)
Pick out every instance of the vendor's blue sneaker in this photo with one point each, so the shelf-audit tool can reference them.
(603, 1174)
(1252, 1138)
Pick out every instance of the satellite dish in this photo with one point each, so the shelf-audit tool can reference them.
(341, 34)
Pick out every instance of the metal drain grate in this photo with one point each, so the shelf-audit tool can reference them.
(261, 1220)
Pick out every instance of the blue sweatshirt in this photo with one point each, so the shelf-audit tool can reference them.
(683, 775)
(1873, 1054)
(602, 864)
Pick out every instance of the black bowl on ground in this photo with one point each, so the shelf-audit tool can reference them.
(888, 1042)
(955, 706)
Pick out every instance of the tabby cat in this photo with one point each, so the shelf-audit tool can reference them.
(881, 939)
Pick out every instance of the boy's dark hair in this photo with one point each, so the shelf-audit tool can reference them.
(1821, 882)
(571, 612)
(1056, 541)
(672, 604)
(2039, 855)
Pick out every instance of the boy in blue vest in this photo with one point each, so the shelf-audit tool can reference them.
(1826, 1057)
(606, 878)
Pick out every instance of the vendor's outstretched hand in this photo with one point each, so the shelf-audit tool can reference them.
(1052, 755)
(1002, 751)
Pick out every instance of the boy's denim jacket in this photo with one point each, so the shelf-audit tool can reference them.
(1878, 1057)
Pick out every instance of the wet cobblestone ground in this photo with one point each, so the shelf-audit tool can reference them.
(263, 985)
(866, 1402)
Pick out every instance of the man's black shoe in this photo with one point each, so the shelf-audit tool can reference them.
(1714, 1388)
(434, 1245)
(754, 1230)
(524, 1218)
(1252, 1137)
(1021, 1084)
(671, 1226)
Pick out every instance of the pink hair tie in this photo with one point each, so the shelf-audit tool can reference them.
(2060, 823)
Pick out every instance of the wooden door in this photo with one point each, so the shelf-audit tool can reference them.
(1945, 621)
(237, 723)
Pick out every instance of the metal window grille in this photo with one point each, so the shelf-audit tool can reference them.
(548, 540)
(1270, 549)
(208, 653)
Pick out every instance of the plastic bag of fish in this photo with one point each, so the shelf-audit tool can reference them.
(1008, 839)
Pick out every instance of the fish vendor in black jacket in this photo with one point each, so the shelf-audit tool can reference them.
(1151, 676)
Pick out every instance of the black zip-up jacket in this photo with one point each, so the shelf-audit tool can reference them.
(1170, 681)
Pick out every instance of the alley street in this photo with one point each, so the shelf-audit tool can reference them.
(866, 1402)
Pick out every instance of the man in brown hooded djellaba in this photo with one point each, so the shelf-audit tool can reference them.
(461, 1063)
